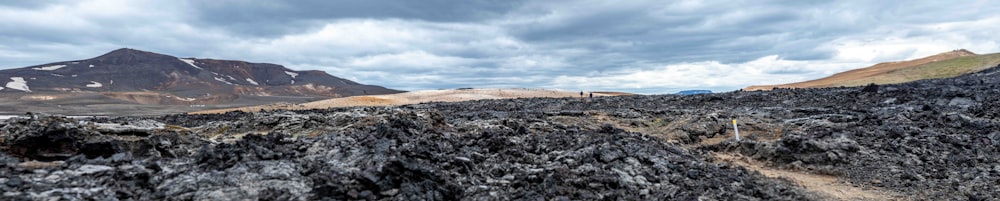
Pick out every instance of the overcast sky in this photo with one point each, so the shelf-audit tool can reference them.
(649, 47)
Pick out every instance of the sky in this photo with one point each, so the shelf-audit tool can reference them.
(646, 47)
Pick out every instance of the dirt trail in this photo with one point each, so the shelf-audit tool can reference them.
(827, 185)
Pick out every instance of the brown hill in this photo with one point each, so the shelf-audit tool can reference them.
(414, 97)
(943, 65)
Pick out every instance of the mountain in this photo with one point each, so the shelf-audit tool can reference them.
(150, 78)
(943, 65)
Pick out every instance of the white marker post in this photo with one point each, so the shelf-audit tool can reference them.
(737, 129)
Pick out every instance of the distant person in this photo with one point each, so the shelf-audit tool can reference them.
(591, 95)
(581, 94)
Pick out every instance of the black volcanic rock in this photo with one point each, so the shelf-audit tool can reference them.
(926, 140)
(130, 70)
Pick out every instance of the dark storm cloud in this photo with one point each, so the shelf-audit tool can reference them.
(268, 18)
(26, 4)
(657, 32)
(636, 45)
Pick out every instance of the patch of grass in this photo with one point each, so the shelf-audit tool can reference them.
(220, 132)
(171, 127)
(953, 67)
(660, 122)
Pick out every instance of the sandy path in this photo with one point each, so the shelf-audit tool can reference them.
(827, 185)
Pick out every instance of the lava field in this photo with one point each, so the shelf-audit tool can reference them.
(925, 140)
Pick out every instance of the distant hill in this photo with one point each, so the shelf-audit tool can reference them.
(943, 65)
(151, 78)
(129, 81)
(693, 92)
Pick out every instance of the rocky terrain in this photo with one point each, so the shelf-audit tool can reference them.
(925, 140)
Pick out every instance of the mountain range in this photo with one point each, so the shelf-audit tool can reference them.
(129, 76)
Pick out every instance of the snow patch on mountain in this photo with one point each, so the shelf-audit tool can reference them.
(53, 67)
(252, 82)
(91, 65)
(293, 74)
(184, 99)
(94, 84)
(190, 62)
(230, 77)
(223, 80)
(18, 83)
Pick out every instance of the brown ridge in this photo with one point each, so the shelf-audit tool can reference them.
(838, 79)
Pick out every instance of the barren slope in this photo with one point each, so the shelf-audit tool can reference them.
(944, 65)
(414, 97)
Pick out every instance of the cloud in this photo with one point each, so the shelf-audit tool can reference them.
(70, 30)
(641, 46)
(892, 43)
(408, 62)
(272, 18)
(711, 75)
